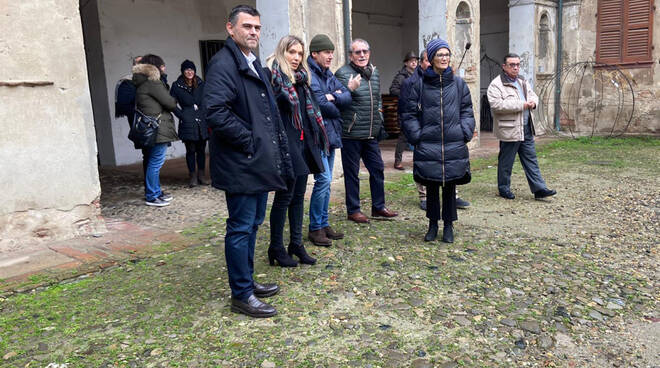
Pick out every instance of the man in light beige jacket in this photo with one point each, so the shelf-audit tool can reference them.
(511, 101)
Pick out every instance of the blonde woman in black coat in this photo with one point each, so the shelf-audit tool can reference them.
(306, 138)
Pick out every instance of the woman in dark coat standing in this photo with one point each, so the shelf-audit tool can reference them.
(306, 138)
(437, 119)
(188, 90)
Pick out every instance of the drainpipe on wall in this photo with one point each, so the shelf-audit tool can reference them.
(346, 10)
(560, 13)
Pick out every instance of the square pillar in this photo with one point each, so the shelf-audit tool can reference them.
(432, 21)
(522, 35)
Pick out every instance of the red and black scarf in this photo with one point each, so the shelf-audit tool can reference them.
(281, 83)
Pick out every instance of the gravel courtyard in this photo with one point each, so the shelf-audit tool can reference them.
(567, 282)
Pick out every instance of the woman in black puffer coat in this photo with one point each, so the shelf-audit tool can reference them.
(188, 90)
(437, 119)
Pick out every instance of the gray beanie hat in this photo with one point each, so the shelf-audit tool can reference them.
(321, 42)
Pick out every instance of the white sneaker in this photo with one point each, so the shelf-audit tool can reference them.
(157, 203)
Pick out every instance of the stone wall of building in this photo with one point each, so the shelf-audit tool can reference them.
(321, 16)
(579, 45)
(48, 157)
(463, 26)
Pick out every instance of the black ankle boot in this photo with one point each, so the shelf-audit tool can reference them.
(448, 232)
(279, 254)
(433, 231)
(300, 252)
(192, 179)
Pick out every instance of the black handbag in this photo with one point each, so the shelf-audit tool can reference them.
(465, 179)
(144, 130)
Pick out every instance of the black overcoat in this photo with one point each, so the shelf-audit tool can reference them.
(439, 125)
(248, 146)
(192, 123)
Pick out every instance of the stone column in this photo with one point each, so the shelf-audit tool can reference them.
(275, 25)
(432, 21)
(302, 18)
(522, 35)
(571, 32)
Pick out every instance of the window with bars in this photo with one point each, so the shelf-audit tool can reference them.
(624, 32)
(207, 49)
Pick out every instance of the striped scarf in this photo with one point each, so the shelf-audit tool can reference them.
(281, 83)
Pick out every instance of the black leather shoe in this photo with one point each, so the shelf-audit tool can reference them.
(265, 290)
(432, 233)
(448, 233)
(253, 307)
(508, 195)
(543, 193)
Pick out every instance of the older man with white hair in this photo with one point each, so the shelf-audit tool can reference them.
(362, 128)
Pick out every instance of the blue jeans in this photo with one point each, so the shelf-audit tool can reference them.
(155, 160)
(246, 213)
(320, 200)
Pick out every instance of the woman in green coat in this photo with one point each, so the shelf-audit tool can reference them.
(152, 97)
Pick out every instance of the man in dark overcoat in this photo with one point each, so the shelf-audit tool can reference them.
(249, 155)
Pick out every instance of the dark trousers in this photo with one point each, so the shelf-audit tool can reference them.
(352, 151)
(292, 201)
(448, 202)
(526, 150)
(246, 213)
(401, 145)
(195, 153)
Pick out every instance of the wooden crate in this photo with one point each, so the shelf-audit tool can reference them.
(390, 114)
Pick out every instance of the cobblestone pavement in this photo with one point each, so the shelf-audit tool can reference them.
(567, 282)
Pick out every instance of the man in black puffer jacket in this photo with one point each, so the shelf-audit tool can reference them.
(249, 152)
(362, 127)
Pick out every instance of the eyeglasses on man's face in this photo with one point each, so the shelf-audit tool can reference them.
(513, 65)
(361, 52)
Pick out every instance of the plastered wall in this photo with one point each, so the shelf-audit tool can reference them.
(48, 158)
(171, 29)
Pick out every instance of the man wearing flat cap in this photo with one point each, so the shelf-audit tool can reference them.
(410, 62)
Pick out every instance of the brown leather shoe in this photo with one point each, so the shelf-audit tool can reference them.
(332, 234)
(358, 217)
(383, 213)
(319, 238)
(398, 166)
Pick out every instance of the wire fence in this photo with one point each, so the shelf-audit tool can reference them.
(594, 99)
